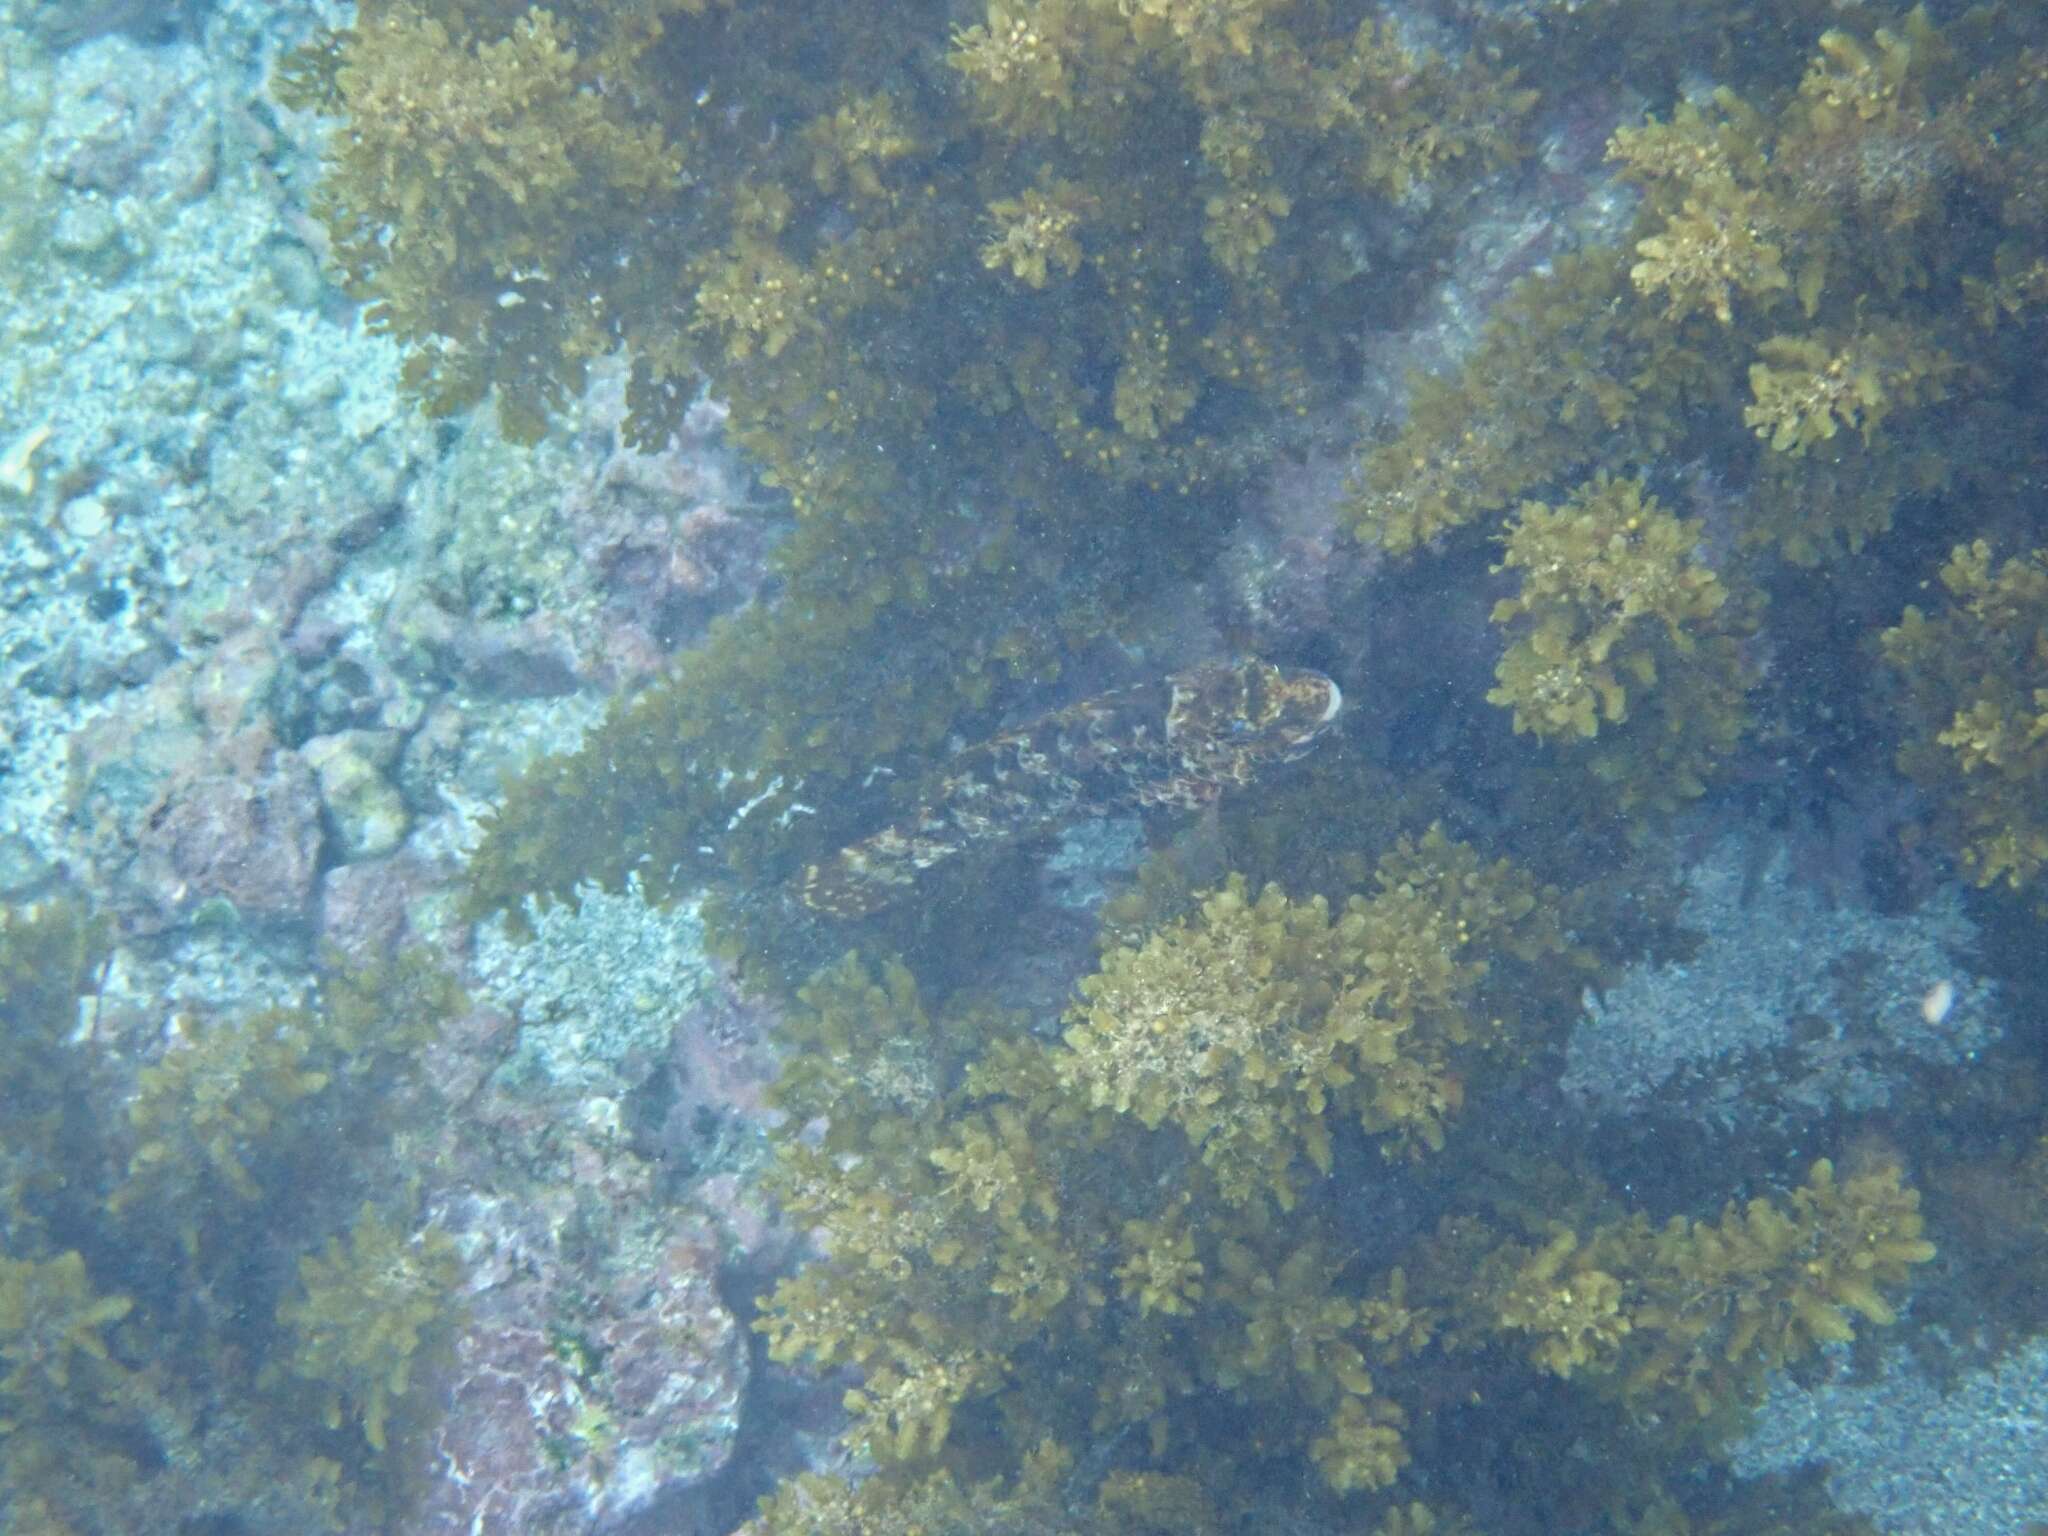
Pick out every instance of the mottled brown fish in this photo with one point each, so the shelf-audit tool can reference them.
(1180, 741)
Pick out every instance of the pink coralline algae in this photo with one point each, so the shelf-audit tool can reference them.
(243, 827)
(365, 908)
(661, 531)
(1287, 571)
(582, 1391)
(184, 795)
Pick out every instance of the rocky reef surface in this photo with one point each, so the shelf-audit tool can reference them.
(272, 641)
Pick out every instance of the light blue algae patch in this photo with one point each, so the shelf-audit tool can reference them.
(1917, 1460)
(1092, 858)
(596, 991)
(1790, 1009)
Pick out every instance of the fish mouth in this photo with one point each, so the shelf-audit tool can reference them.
(1336, 701)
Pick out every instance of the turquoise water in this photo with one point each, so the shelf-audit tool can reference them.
(650, 849)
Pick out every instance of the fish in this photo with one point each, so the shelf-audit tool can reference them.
(1177, 742)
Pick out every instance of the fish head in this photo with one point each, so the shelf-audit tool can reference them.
(1235, 717)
